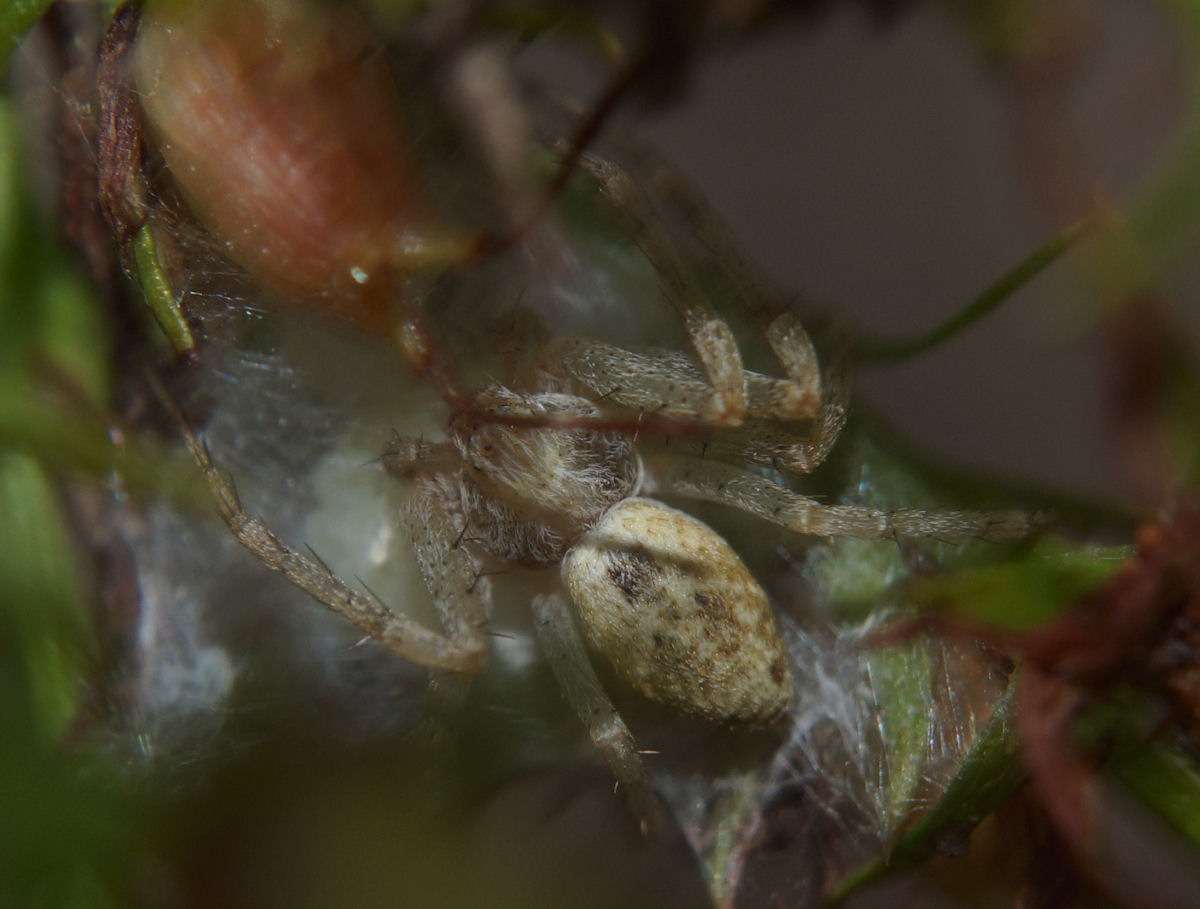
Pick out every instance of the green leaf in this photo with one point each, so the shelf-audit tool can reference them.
(1023, 592)
(16, 18)
(72, 442)
(900, 677)
(51, 323)
(1166, 776)
(159, 296)
(990, 771)
(44, 605)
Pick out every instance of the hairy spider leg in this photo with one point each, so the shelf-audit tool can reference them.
(796, 398)
(715, 345)
(784, 331)
(667, 385)
(566, 653)
(727, 484)
(435, 526)
(123, 199)
(462, 648)
(768, 443)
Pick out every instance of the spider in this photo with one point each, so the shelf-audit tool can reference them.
(657, 594)
(545, 471)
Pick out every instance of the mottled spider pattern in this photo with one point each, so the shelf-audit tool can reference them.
(545, 471)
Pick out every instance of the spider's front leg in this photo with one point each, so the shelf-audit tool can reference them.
(462, 648)
(663, 383)
(460, 593)
(783, 330)
(726, 400)
(771, 443)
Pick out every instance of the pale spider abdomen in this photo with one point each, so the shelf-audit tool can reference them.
(678, 614)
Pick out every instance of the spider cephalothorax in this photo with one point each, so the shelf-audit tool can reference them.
(558, 480)
(658, 593)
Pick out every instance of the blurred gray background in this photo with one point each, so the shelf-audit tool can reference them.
(877, 169)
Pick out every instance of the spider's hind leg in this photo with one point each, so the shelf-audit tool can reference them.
(564, 648)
